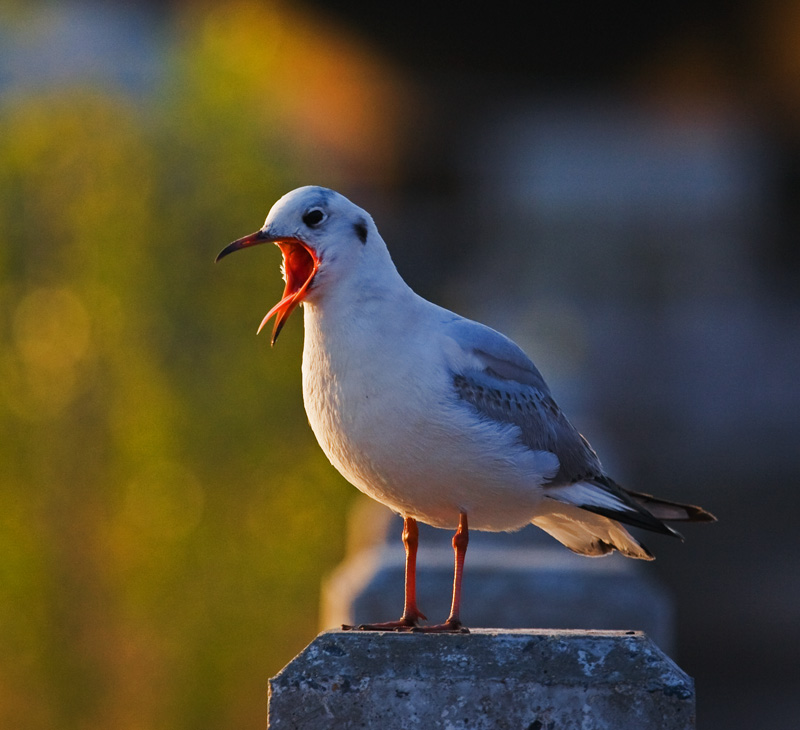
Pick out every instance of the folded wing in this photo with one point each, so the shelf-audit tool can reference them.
(583, 506)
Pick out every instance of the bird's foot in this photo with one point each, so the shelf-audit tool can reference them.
(448, 627)
(451, 626)
(402, 624)
(407, 622)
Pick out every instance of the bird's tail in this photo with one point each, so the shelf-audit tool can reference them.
(588, 533)
(586, 517)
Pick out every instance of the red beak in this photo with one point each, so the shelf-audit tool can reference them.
(300, 264)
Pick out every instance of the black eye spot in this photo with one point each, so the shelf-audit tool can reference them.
(361, 230)
(313, 217)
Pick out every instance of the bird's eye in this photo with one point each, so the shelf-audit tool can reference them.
(313, 217)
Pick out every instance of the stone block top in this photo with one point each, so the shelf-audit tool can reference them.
(490, 678)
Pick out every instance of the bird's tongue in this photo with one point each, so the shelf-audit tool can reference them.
(300, 264)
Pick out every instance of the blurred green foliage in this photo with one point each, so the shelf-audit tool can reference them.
(165, 515)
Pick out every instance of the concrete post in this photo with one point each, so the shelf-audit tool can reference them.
(491, 679)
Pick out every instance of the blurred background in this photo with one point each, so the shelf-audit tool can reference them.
(615, 185)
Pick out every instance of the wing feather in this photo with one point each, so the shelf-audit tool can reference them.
(495, 377)
(502, 384)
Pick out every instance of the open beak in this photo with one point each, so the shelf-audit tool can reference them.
(300, 264)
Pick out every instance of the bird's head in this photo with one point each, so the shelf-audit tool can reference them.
(324, 238)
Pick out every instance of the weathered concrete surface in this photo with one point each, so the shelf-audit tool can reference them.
(491, 679)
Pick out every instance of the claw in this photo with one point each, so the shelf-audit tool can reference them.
(403, 624)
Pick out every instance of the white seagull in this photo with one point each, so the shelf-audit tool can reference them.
(440, 418)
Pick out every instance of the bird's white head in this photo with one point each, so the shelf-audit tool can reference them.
(326, 242)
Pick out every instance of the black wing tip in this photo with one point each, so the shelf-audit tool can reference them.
(698, 514)
(636, 516)
(641, 519)
(692, 513)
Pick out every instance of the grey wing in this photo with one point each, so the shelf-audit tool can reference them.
(504, 385)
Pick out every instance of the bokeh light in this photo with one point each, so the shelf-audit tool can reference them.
(165, 518)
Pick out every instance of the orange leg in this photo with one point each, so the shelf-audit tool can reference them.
(411, 614)
(460, 542)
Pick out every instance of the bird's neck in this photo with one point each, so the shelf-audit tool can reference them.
(362, 322)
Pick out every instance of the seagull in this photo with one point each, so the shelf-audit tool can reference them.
(440, 418)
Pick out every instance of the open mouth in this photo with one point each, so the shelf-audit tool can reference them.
(299, 267)
(300, 264)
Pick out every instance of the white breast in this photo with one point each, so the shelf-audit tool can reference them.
(381, 403)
